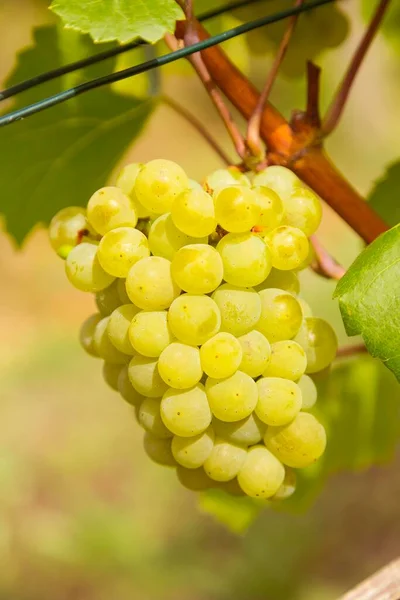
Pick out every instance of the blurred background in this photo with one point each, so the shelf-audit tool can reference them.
(84, 514)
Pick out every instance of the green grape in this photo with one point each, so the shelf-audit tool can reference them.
(308, 259)
(144, 376)
(233, 398)
(305, 308)
(246, 259)
(298, 444)
(225, 460)
(222, 178)
(179, 366)
(195, 480)
(262, 474)
(150, 418)
(197, 268)
(165, 239)
(66, 227)
(281, 280)
(108, 299)
(186, 412)
(194, 319)
(308, 392)
(126, 181)
(281, 315)
(271, 208)
(240, 308)
(303, 210)
(103, 346)
(149, 284)
(110, 208)
(221, 355)
(193, 213)
(84, 270)
(237, 208)
(279, 400)
(86, 334)
(111, 373)
(288, 246)
(256, 352)
(319, 341)
(192, 452)
(280, 179)
(158, 183)
(118, 327)
(123, 296)
(246, 432)
(120, 249)
(158, 450)
(127, 390)
(288, 360)
(149, 332)
(288, 486)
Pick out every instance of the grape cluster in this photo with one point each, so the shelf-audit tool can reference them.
(199, 322)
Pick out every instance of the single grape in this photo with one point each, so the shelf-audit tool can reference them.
(192, 452)
(246, 432)
(165, 239)
(237, 208)
(193, 213)
(288, 486)
(110, 208)
(126, 182)
(84, 270)
(256, 352)
(281, 280)
(158, 450)
(144, 376)
(288, 360)
(123, 296)
(103, 346)
(197, 269)
(233, 398)
(288, 247)
(186, 412)
(149, 284)
(179, 366)
(309, 259)
(158, 183)
(281, 315)
(111, 373)
(308, 392)
(118, 327)
(86, 335)
(222, 178)
(303, 210)
(221, 355)
(127, 390)
(66, 227)
(319, 341)
(298, 444)
(262, 474)
(150, 418)
(108, 299)
(305, 308)
(194, 319)
(240, 308)
(149, 332)
(280, 179)
(225, 460)
(195, 480)
(279, 400)
(120, 249)
(246, 259)
(271, 208)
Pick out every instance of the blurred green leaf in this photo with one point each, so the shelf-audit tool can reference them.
(391, 23)
(369, 298)
(60, 156)
(121, 20)
(236, 512)
(385, 196)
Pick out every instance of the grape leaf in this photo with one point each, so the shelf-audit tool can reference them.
(369, 298)
(384, 197)
(121, 20)
(59, 157)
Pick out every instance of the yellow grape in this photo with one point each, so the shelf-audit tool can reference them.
(280, 179)
(179, 365)
(66, 227)
(192, 452)
(225, 460)
(126, 181)
(288, 246)
(149, 332)
(237, 208)
(197, 268)
(246, 259)
(195, 480)
(262, 474)
(159, 450)
(103, 346)
(186, 412)
(319, 341)
(149, 418)
(281, 280)
(281, 315)
(86, 335)
(118, 327)
(120, 249)
(256, 353)
(233, 398)
(221, 355)
(84, 271)
(240, 308)
(194, 319)
(279, 400)
(288, 360)
(222, 178)
(165, 238)
(288, 486)
(303, 210)
(158, 183)
(108, 299)
(246, 432)
(308, 392)
(126, 389)
(149, 284)
(110, 208)
(193, 213)
(271, 208)
(144, 376)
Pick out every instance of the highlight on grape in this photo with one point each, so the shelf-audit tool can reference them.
(199, 322)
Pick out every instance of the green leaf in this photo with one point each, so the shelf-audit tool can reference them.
(391, 23)
(369, 298)
(121, 20)
(237, 513)
(384, 197)
(60, 156)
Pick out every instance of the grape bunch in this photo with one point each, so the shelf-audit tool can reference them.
(199, 322)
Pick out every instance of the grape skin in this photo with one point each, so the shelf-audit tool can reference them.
(225, 460)
(120, 249)
(288, 360)
(308, 392)
(256, 353)
(271, 208)
(84, 270)
(192, 452)
(65, 227)
(158, 183)
(103, 346)
(280, 179)
(149, 333)
(240, 308)
(237, 208)
(126, 181)
(262, 474)
(86, 335)
(282, 280)
(165, 238)
(303, 210)
(279, 400)
(123, 296)
(193, 213)
(233, 398)
(144, 376)
(118, 327)
(194, 319)
(126, 389)
(179, 365)
(197, 269)
(150, 418)
(159, 450)
(288, 486)
(223, 178)
(149, 284)
(288, 246)
(246, 432)
(186, 412)
(319, 341)
(108, 299)
(110, 208)
(246, 259)
(221, 355)
(195, 480)
(281, 315)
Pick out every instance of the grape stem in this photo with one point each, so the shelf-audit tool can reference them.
(383, 585)
(324, 264)
(351, 350)
(253, 127)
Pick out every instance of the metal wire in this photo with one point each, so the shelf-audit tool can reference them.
(156, 62)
